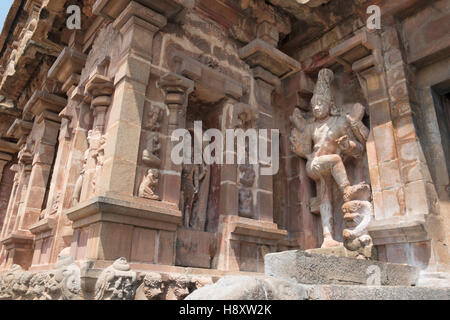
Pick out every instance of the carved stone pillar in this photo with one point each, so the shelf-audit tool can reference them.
(113, 222)
(7, 185)
(137, 25)
(50, 230)
(39, 152)
(248, 235)
(176, 91)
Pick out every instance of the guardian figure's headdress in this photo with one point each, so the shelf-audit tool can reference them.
(323, 91)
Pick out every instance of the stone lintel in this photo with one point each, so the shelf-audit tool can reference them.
(314, 268)
(113, 8)
(210, 85)
(398, 230)
(260, 53)
(68, 62)
(133, 211)
(42, 100)
(19, 128)
(255, 228)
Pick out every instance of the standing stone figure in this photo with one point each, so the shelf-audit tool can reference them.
(194, 197)
(79, 184)
(325, 140)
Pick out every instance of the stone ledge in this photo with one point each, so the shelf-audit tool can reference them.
(43, 228)
(18, 241)
(258, 229)
(313, 268)
(271, 288)
(131, 211)
(398, 230)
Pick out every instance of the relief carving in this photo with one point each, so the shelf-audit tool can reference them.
(153, 119)
(150, 155)
(156, 286)
(247, 179)
(61, 283)
(149, 184)
(195, 182)
(79, 184)
(117, 282)
(326, 140)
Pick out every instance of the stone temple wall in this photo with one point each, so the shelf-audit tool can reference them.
(87, 183)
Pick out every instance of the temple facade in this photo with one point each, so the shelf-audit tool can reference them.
(92, 91)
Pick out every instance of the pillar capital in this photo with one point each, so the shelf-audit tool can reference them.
(176, 88)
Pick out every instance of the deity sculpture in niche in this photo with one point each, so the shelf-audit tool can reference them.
(150, 155)
(326, 140)
(148, 186)
(195, 182)
(195, 190)
(153, 118)
(246, 179)
(79, 183)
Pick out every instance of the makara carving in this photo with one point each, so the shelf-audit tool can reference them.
(117, 282)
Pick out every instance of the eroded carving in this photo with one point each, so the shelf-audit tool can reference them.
(149, 184)
(152, 121)
(150, 155)
(79, 184)
(194, 195)
(61, 283)
(117, 282)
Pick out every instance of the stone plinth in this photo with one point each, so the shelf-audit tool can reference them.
(140, 230)
(271, 288)
(313, 268)
(20, 249)
(245, 241)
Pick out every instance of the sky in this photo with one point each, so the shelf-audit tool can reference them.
(4, 9)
